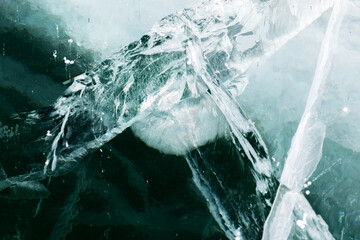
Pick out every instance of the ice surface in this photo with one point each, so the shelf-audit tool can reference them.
(190, 60)
(338, 168)
(178, 89)
(188, 122)
(284, 80)
(154, 78)
(292, 217)
(307, 145)
(107, 26)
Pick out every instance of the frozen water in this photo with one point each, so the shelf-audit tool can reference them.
(184, 126)
(125, 20)
(339, 109)
(294, 218)
(176, 67)
(152, 80)
(318, 99)
(306, 147)
(179, 87)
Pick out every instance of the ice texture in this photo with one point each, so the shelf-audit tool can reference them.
(292, 217)
(306, 153)
(169, 65)
(186, 60)
(340, 109)
(178, 89)
(125, 21)
(306, 147)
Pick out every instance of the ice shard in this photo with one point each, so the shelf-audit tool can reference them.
(291, 215)
(337, 166)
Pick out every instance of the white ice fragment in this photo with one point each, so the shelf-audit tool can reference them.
(70, 41)
(55, 54)
(55, 144)
(272, 158)
(148, 103)
(68, 61)
(129, 83)
(182, 127)
(57, 31)
(302, 223)
(262, 185)
(237, 234)
(346, 110)
(309, 183)
(48, 133)
(66, 144)
(307, 192)
(75, 87)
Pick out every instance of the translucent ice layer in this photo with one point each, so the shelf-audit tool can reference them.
(178, 89)
(185, 56)
(105, 27)
(330, 103)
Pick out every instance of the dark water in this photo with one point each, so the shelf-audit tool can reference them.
(124, 190)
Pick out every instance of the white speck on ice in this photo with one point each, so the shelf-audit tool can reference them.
(346, 110)
(302, 223)
(238, 234)
(67, 61)
(57, 30)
